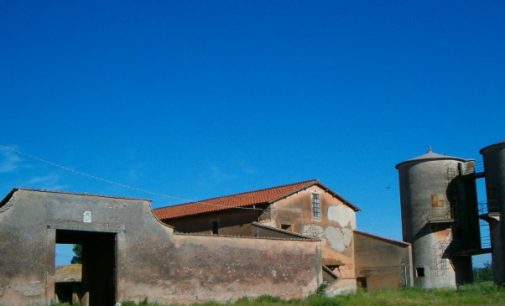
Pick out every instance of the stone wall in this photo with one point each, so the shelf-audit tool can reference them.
(382, 263)
(334, 228)
(150, 260)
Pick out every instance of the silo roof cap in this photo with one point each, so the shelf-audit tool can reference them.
(498, 144)
(429, 155)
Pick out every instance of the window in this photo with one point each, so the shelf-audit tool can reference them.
(420, 272)
(215, 227)
(437, 200)
(316, 206)
(286, 227)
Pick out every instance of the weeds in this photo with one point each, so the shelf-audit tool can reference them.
(483, 293)
(144, 302)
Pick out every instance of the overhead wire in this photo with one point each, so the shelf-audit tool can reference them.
(115, 183)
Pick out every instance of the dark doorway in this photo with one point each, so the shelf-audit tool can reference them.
(98, 285)
(362, 282)
(215, 227)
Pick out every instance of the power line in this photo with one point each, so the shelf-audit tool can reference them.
(114, 183)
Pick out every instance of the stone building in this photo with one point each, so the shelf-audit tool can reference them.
(304, 209)
(128, 254)
(283, 241)
(382, 263)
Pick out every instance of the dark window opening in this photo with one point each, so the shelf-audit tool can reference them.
(215, 227)
(420, 272)
(437, 200)
(286, 227)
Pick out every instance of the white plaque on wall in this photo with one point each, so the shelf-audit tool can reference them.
(86, 216)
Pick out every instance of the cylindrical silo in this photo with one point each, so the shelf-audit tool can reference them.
(494, 170)
(431, 186)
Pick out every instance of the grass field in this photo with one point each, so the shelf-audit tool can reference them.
(484, 293)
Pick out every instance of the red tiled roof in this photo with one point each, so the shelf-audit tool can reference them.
(262, 196)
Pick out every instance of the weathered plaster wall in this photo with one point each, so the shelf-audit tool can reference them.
(231, 222)
(151, 262)
(257, 229)
(428, 187)
(384, 263)
(200, 268)
(334, 227)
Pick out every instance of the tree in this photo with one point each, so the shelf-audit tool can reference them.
(77, 259)
(483, 274)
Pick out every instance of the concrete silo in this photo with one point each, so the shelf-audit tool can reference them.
(494, 172)
(440, 218)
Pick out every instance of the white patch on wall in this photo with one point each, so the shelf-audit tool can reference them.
(86, 216)
(313, 230)
(339, 238)
(343, 215)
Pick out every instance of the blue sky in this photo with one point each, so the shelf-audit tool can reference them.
(196, 99)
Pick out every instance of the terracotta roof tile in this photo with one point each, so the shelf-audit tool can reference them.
(245, 199)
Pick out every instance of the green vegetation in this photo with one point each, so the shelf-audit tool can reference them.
(483, 274)
(483, 293)
(77, 259)
(143, 303)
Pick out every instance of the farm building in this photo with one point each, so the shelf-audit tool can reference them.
(382, 263)
(129, 255)
(305, 209)
(284, 241)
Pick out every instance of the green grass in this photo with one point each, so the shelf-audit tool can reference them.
(484, 293)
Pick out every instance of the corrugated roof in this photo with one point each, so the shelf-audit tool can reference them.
(245, 199)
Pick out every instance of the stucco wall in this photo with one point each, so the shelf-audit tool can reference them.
(231, 221)
(200, 268)
(334, 227)
(385, 264)
(151, 261)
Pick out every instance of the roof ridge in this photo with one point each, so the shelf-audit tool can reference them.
(382, 237)
(86, 194)
(236, 194)
(243, 200)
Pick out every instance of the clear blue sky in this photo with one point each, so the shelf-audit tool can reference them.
(197, 99)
